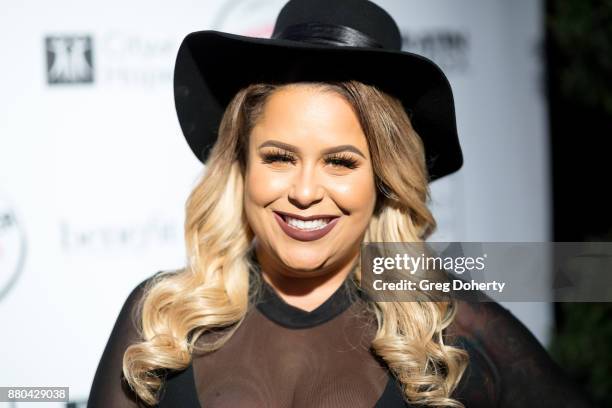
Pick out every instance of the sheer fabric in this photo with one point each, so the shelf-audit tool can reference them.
(282, 356)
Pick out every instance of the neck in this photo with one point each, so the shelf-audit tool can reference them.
(304, 290)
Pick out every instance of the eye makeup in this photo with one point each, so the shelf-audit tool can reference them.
(335, 160)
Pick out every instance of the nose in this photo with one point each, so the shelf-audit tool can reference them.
(306, 188)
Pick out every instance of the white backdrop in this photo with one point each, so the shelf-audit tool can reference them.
(94, 170)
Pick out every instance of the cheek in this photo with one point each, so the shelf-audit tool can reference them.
(357, 194)
(263, 187)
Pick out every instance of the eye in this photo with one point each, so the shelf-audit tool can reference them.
(278, 156)
(337, 160)
(342, 160)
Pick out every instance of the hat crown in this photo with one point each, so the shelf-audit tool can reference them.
(368, 24)
(316, 40)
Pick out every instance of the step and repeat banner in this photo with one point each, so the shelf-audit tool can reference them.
(94, 170)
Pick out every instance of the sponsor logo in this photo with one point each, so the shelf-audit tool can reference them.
(12, 247)
(152, 232)
(447, 48)
(69, 59)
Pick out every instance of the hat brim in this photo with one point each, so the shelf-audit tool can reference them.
(212, 66)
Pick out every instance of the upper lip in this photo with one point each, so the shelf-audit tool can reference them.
(308, 218)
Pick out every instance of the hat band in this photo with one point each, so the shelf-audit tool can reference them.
(332, 34)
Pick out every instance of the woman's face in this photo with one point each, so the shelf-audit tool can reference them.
(308, 158)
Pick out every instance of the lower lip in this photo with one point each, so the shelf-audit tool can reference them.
(301, 235)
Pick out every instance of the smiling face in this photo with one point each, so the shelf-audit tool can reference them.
(308, 158)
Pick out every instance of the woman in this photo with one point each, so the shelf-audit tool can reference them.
(315, 155)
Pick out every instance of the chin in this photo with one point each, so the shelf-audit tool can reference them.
(304, 260)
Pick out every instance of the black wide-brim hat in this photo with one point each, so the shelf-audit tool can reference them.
(316, 40)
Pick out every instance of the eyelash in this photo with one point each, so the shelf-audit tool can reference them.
(340, 159)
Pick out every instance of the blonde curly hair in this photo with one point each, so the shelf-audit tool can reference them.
(212, 291)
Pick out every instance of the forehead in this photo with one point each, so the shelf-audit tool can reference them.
(309, 117)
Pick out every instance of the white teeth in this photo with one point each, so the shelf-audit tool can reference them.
(307, 225)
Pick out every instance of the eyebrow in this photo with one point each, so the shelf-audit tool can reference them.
(335, 149)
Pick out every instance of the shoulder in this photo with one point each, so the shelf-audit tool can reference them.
(480, 384)
(138, 291)
(493, 327)
(109, 387)
(477, 318)
(132, 305)
(507, 361)
(147, 283)
(491, 335)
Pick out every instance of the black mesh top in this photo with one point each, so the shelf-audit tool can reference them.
(283, 356)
